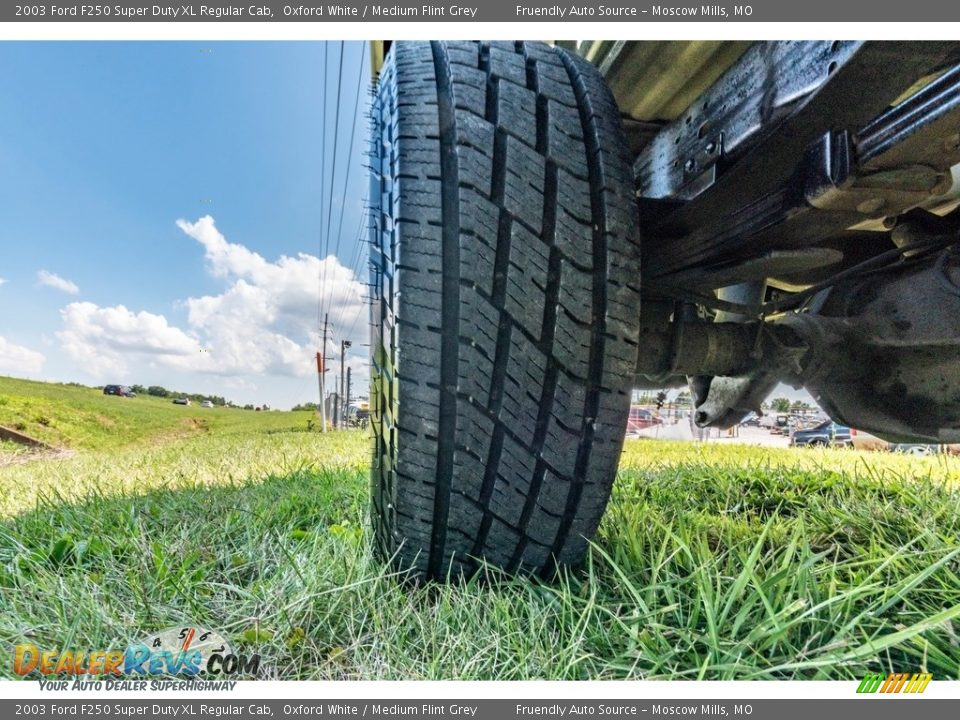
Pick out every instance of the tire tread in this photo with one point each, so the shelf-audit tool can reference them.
(504, 259)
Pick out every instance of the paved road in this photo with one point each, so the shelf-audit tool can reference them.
(741, 436)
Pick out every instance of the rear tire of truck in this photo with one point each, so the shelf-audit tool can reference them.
(505, 306)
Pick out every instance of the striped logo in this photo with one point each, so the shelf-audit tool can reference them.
(895, 683)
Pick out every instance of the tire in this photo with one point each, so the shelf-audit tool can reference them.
(505, 310)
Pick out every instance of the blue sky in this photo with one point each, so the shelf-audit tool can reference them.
(159, 199)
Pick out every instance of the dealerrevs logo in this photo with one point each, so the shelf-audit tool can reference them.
(178, 651)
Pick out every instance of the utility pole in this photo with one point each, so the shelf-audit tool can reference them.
(344, 344)
(335, 397)
(321, 369)
(346, 400)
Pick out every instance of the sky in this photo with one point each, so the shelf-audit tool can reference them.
(165, 210)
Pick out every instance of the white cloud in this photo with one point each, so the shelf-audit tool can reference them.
(225, 258)
(100, 339)
(2, 281)
(263, 323)
(55, 281)
(18, 359)
(266, 320)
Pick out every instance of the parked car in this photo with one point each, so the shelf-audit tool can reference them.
(641, 418)
(914, 448)
(207, 404)
(118, 390)
(825, 433)
(181, 401)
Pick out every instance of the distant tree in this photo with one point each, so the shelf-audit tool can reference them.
(138, 389)
(248, 407)
(313, 407)
(158, 391)
(781, 404)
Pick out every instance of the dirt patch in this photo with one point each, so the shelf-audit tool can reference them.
(26, 455)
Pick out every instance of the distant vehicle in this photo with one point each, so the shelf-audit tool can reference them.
(206, 404)
(783, 424)
(118, 390)
(826, 433)
(914, 449)
(358, 409)
(358, 414)
(640, 419)
(181, 401)
(751, 421)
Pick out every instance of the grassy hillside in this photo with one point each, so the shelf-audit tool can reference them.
(713, 562)
(84, 418)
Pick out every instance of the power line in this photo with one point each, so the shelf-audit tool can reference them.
(353, 129)
(323, 175)
(353, 271)
(352, 264)
(360, 242)
(333, 173)
(359, 315)
(362, 302)
(326, 304)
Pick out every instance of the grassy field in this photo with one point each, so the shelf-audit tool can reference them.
(713, 562)
(79, 417)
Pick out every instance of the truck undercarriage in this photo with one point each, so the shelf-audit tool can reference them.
(808, 194)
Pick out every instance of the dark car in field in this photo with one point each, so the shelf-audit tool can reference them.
(826, 433)
(119, 390)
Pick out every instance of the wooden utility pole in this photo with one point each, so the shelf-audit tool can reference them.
(321, 369)
(344, 344)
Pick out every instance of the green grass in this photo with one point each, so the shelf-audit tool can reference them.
(713, 562)
(8, 447)
(84, 418)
